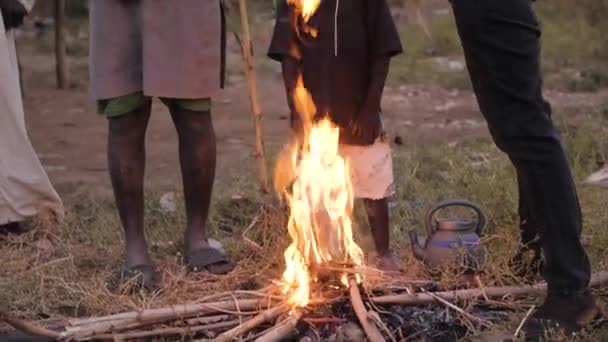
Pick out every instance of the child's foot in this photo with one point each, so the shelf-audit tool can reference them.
(387, 263)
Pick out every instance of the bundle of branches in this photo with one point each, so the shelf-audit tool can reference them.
(265, 315)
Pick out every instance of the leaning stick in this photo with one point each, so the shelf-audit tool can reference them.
(253, 98)
(282, 330)
(370, 329)
(264, 316)
(597, 279)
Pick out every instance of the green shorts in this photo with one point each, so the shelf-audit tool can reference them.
(121, 105)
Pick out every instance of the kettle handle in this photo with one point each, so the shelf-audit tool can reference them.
(481, 217)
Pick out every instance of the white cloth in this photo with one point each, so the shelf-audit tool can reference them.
(25, 189)
(371, 169)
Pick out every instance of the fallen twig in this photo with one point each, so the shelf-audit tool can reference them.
(457, 309)
(207, 320)
(247, 240)
(368, 325)
(28, 327)
(134, 319)
(324, 320)
(182, 331)
(523, 321)
(481, 287)
(262, 317)
(282, 330)
(46, 264)
(491, 292)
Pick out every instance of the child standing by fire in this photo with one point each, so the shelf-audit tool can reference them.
(342, 53)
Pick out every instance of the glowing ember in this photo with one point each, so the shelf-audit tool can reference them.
(321, 203)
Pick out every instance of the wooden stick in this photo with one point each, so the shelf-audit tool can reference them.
(491, 292)
(264, 316)
(282, 330)
(523, 321)
(28, 327)
(134, 319)
(207, 320)
(370, 329)
(459, 310)
(247, 240)
(166, 331)
(60, 49)
(253, 98)
(178, 310)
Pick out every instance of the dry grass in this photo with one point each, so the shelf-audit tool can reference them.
(62, 271)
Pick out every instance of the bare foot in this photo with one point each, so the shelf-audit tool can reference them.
(387, 263)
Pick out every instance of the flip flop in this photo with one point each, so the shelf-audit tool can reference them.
(141, 276)
(208, 259)
(16, 228)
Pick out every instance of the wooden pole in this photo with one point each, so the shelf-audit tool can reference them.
(253, 98)
(597, 279)
(60, 48)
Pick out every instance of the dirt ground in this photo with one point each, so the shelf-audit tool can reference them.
(70, 137)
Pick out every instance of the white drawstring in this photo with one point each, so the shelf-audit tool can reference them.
(336, 29)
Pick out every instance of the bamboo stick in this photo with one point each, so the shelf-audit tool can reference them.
(282, 330)
(135, 319)
(370, 329)
(183, 331)
(597, 279)
(264, 316)
(253, 98)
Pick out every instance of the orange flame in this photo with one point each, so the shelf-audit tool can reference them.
(321, 202)
(306, 8)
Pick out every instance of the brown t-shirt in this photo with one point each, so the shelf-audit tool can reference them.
(336, 68)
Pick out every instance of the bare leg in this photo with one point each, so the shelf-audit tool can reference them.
(377, 215)
(197, 153)
(127, 159)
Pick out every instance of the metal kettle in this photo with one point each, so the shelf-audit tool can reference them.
(453, 241)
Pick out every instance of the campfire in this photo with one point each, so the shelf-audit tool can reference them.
(320, 202)
(320, 292)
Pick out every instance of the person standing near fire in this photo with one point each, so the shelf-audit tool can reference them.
(25, 189)
(343, 54)
(501, 41)
(173, 50)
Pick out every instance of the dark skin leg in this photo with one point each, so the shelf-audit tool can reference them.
(197, 154)
(377, 215)
(127, 160)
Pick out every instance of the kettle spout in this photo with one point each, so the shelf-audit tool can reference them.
(417, 249)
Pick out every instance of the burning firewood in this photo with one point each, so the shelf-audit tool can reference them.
(213, 318)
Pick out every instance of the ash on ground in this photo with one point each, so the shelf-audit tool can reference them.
(406, 323)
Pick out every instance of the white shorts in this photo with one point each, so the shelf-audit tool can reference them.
(371, 169)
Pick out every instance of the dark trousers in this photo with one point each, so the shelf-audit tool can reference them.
(501, 41)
